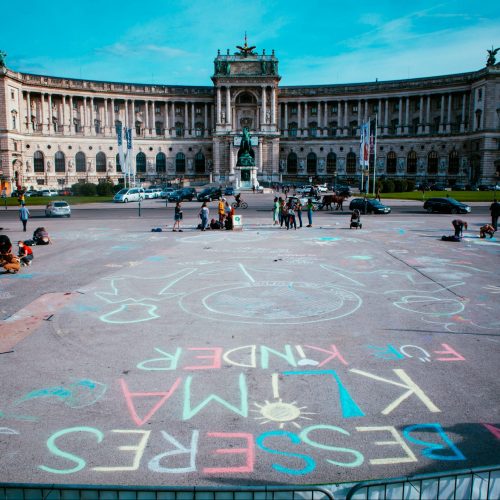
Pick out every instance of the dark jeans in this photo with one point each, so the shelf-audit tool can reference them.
(24, 224)
(27, 258)
(299, 214)
(292, 222)
(494, 221)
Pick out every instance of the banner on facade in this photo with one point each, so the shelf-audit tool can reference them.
(121, 155)
(130, 151)
(364, 145)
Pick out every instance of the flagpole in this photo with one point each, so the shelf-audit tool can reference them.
(375, 154)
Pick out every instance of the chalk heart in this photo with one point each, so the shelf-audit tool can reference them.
(307, 362)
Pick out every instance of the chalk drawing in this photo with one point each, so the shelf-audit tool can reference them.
(429, 305)
(492, 289)
(8, 430)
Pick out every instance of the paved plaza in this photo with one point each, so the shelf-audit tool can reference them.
(265, 356)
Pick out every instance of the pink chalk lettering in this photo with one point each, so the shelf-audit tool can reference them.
(449, 350)
(494, 430)
(216, 358)
(249, 451)
(334, 353)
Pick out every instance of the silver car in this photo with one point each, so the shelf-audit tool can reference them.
(58, 209)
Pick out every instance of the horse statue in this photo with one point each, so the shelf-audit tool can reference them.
(246, 155)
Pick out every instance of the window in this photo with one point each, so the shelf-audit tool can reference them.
(414, 125)
(12, 95)
(138, 128)
(118, 164)
(312, 161)
(333, 128)
(432, 163)
(411, 162)
(157, 110)
(117, 108)
(161, 163)
(198, 129)
(14, 121)
(291, 163)
(60, 162)
(96, 108)
(179, 129)
(351, 163)
(78, 127)
(331, 163)
(453, 163)
(375, 108)
(199, 163)
(75, 104)
(313, 129)
(97, 126)
(38, 162)
(140, 163)
(478, 119)
(479, 95)
(314, 110)
(394, 126)
(80, 162)
(354, 109)
(100, 162)
(178, 111)
(180, 163)
(198, 111)
(55, 125)
(159, 128)
(293, 110)
(391, 162)
(292, 129)
(353, 128)
(335, 109)
(396, 106)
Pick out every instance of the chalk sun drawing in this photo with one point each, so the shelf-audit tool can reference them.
(281, 413)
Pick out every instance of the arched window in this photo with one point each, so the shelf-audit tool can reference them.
(161, 163)
(199, 163)
(453, 163)
(60, 162)
(391, 162)
(179, 129)
(291, 163)
(80, 162)
(100, 162)
(313, 129)
(411, 162)
(351, 163)
(140, 163)
(331, 163)
(38, 162)
(292, 129)
(180, 163)
(118, 164)
(432, 163)
(312, 161)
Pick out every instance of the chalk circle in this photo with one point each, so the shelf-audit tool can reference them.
(272, 302)
(427, 305)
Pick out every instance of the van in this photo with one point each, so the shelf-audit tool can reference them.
(129, 194)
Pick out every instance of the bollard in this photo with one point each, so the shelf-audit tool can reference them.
(139, 207)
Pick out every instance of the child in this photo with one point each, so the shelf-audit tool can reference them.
(487, 229)
(25, 254)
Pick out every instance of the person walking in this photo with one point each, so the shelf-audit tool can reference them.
(495, 212)
(378, 193)
(177, 217)
(24, 215)
(298, 208)
(276, 211)
(204, 213)
(310, 208)
(281, 210)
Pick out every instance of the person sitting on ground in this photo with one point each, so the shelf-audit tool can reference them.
(5, 244)
(41, 236)
(10, 263)
(25, 254)
(459, 225)
(487, 229)
(215, 224)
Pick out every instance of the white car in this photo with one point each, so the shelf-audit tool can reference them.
(58, 209)
(322, 188)
(304, 189)
(49, 192)
(149, 194)
(129, 194)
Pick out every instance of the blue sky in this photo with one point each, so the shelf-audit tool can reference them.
(317, 42)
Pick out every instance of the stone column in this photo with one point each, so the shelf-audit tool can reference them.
(63, 114)
(28, 112)
(49, 103)
(339, 118)
(212, 115)
(386, 117)
(93, 116)
(125, 121)
(299, 119)
(205, 121)
(379, 117)
(358, 132)
(400, 117)
(428, 115)
(219, 106)
(325, 119)
(346, 116)
(172, 117)
(273, 106)
(462, 120)
(261, 154)
(421, 116)
(192, 119)
(216, 158)
(70, 117)
(228, 106)
(306, 121)
(85, 117)
(285, 132)
(186, 119)
(448, 119)
(146, 116)
(107, 126)
(441, 120)
(166, 120)
(366, 111)
(264, 106)
(407, 116)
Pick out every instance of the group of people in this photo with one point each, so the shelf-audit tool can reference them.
(12, 263)
(286, 212)
(486, 230)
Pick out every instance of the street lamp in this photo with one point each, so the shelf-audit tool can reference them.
(335, 181)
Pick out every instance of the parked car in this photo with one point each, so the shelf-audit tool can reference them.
(229, 191)
(187, 193)
(58, 209)
(149, 194)
(165, 191)
(322, 188)
(31, 193)
(446, 205)
(64, 192)
(489, 187)
(459, 187)
(129, 194)
(438, 187)
(49, 192)
(209, 194)
(175, 196)
(369, 206)
(344, 191)
(317, 205)
(305, 189)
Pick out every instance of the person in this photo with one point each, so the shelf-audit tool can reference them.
(20, 196)
(459, 225)
(253, 188)
(4, 197)
(24, 215)
(291, 217)
(228, 209)
(276, 211)
(495, 212)
(222, 210)
(487, 229)
(378, 193)
(215, 224)
(281, 210)
(298, 208)
(10, 262)
(41, 236)
(5, 244)
(310, 208)
(177, 217)
(229, 219)
(25, 254)
(204, 212)
(237, 199)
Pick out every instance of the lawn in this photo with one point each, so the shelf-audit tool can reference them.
(43, 200)
(458, 195)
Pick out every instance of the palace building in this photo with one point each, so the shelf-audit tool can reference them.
(57, 131)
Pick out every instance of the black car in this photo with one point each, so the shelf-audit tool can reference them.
(369, 206)
(185, 194)
(209, 194)
(229, 191)
(175, 196)
(446, 205)
(459, 187)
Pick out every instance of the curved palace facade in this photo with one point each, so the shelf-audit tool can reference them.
(55, 132)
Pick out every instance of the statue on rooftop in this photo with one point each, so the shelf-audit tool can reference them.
(3, 55)
(246, 50)
(491, 56)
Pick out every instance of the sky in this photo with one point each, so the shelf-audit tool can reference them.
(316, 42)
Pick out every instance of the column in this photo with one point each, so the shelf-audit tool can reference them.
(63, 129)
(339, 118)
(205, 121)
(325, 119)
(192, 119)
(212, 116)
(346, 113)
(261, 155)
(186, 119)
(299, 119)
(49, 103)
(172, 117)
(264, 106)
(28, 113)
(273, 106)
(462, 120)
(85, 119)
(228, 106)
(306, 121)
(407, 116)
(218, 118)
(107, 126)
(358, 132)
(366, 111)
(428, 115)
(379, 117)
(441, 120)
(166, 121)
(400, 117)
(421, 116)
(146, 116)
(92, 117)
(70, 117)
(286, 120)
(386, 117)
(448, 119)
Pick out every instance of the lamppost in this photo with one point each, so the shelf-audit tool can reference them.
(335, 181)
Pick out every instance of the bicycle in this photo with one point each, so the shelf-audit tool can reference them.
(241, 204)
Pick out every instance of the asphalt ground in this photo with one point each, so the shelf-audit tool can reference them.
(265, 356)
